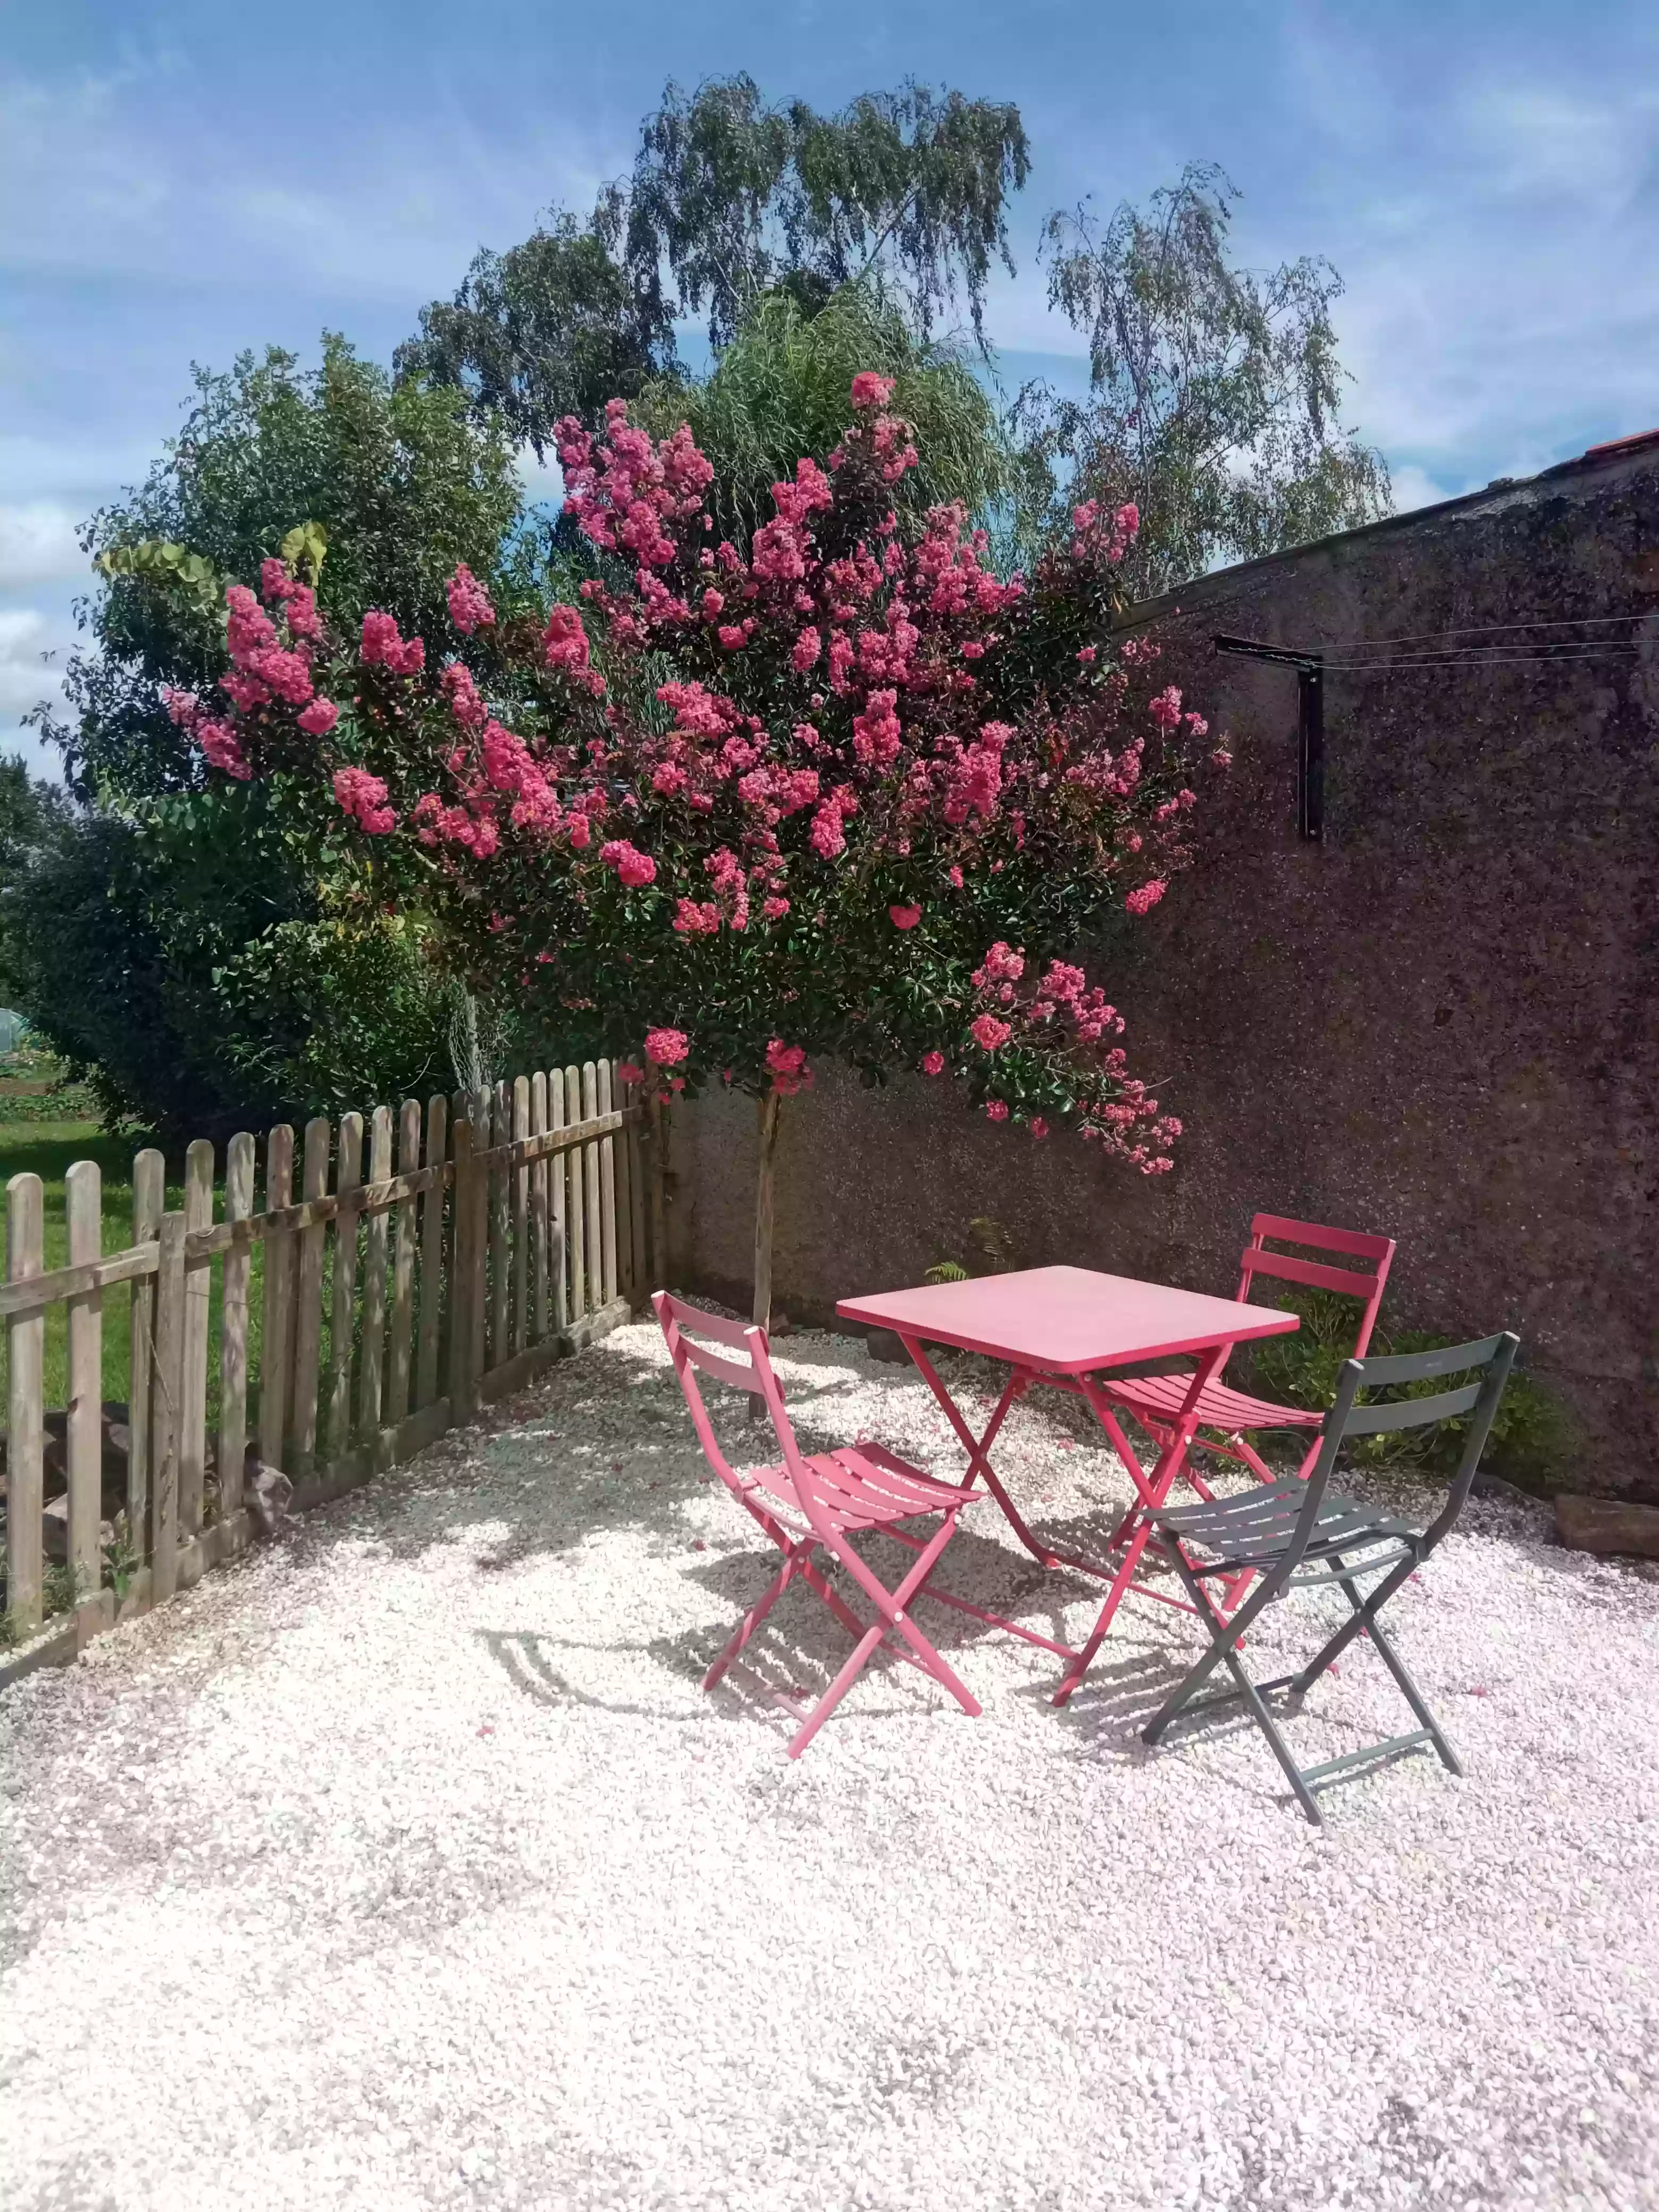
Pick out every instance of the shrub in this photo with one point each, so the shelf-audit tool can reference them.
(1529, 1436)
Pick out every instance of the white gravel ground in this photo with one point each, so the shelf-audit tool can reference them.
(408, 1866)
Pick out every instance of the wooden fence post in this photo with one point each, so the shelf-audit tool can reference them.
(375, 1254)
(539, 1179)
(432, 1256)
(595, 1223)
(168, 1426)
(501, 1263)
(348, 1175)
(198, 1284)
(148, 1198)
(309, 1302)
(460, 1269)
(558, 1165)
(26, 1438)
(83, 1195)
(606, 1149)
(477, 1358)
(233, 1330)
(403, 1269)
(520, 1219)
(277, 1337)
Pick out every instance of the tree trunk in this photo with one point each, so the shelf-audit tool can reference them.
(769, 1108)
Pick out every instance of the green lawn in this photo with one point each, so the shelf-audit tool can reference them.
(48, 1149)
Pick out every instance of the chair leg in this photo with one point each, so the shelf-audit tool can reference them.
(794, 1562)
(890, 1605)
(1366, 1610)
(1223, 1650)
(836, 1691)
(1226, 1631)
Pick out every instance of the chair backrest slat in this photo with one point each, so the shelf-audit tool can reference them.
(738, 1373)
(1365, 1284)
(1411, 1412)
(1358, 1241)
(1289, 1268)
(1489, 1359)
(1383, 1372)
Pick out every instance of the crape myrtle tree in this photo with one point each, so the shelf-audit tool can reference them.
(848, 794)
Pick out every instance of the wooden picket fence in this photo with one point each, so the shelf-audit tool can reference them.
(398, 1294)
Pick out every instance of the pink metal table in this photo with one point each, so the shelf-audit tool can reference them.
(1060, 1328)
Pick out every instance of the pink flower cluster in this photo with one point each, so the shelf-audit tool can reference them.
(218, 741)
(789, 1070)
(470, 606)
(262, 670)
(635, 868)
(382, 644)
(666, 1048)
(565, 646)
(621, 498)
(363, 797)
(1101, 536)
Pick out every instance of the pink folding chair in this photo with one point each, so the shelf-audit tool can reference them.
(817, 1502)
(1231, 1416)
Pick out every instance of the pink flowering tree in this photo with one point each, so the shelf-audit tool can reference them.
(730, 812)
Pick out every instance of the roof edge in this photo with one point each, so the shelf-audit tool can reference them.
(1212, 584)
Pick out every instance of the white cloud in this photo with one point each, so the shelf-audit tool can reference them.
(30, 655)
(1415, 487)
(38, 545)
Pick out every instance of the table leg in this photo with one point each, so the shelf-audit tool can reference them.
(1152, 1489)
(977, 1462)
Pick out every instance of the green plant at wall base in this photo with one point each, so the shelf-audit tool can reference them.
(1529, 1436)
(990, 1249)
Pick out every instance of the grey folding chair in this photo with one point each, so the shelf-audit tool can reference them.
(1295, 1535)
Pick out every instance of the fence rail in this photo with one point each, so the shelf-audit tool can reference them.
(490, 1233)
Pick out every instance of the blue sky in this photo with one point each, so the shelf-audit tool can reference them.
(179, 181)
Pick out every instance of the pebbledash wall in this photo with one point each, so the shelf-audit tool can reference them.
(1441, 1021)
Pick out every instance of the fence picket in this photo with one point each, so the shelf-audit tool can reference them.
(501, 1275)
(591, 1183)
(192, 1420)
(371, 1368)
(578, 1216)
(538, 1180)
(83, 1195)
(167, 1401)
(477, 1289)
(348, 1175)
(461, 1264)
(558, 1170)
(432, 1256)
(233, 1331)
(275, 1341)
(403, 1269)
(309, 1302)
(149, 1197)
(607, 1151)
(521, 1219)
(26, 1438)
